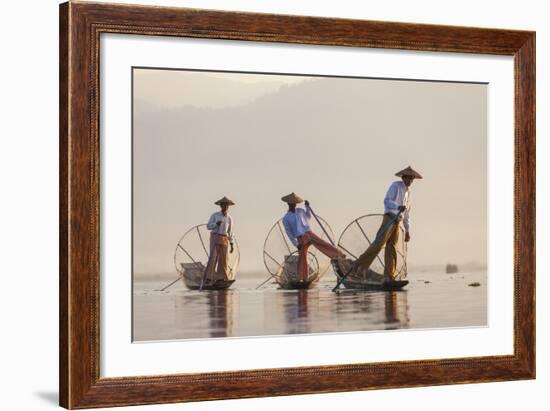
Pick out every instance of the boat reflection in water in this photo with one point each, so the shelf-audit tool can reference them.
(434, 301)
(296, 306)
(240, 313)
(396, 310)
(207, 314)
(223, 313)
(381, 310)
(318, 311)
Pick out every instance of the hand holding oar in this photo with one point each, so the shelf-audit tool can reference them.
(380, 234)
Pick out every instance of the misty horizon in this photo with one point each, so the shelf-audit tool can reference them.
(347, 138)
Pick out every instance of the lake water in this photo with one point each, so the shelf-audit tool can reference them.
(431, 300)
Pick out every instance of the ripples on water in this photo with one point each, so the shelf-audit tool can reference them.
(429, 301)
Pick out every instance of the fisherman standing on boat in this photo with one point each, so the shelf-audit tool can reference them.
(296, 223)
(220, 225)
(396, 202)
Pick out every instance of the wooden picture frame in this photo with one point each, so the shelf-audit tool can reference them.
(80, 27)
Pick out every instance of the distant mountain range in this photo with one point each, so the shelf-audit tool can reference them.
(337, 141)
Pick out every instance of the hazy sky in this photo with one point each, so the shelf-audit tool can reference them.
(335, 141)
(174, 89)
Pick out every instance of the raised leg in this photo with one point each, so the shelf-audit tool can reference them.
(326, 248)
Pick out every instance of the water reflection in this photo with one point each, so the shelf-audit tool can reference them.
(223, 312)
(241, 312)
(380, 310)
(218, 313)
(396, 310)
(208, 313)
(295, 306)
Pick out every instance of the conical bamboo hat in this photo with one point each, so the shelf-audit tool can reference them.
(224, 200)
(292, 198)
(408, 172)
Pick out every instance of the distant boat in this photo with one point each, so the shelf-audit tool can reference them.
(191, 257)
(451, 268)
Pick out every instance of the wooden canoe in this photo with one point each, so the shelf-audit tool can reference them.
(192, 274)
(365, 280)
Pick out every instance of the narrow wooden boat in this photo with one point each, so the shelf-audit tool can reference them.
(365, 280)
(192, 275)
(371, 286)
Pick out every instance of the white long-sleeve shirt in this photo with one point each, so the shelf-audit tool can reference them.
(226, 226)
(398, 195)
(296, 224)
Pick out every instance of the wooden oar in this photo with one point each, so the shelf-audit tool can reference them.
(269, 278)
(171, 284)
(273, 276)
(321, 225)
(381, 233)
(181, 276)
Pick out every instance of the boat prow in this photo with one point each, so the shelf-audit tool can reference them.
(368, 280)
(394, 285)
(375, 286)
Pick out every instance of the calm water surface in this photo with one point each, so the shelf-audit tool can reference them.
(431, 300)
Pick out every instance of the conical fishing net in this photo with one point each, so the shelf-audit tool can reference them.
(358, 236)
(281, 256)
(192, 252)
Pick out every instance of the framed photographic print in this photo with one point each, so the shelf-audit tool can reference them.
(258, 205)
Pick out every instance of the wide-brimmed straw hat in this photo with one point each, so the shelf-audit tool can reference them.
(408, 172)
(224, 200)
(292, 198)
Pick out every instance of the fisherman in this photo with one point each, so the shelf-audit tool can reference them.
(296, 223)
(396, 202)
(220, 225)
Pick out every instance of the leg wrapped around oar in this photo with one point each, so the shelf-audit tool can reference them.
(389, 225)
(387, 235)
